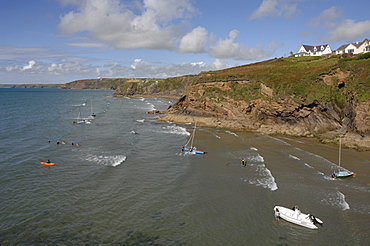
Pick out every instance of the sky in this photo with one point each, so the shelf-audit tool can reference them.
(59, 41)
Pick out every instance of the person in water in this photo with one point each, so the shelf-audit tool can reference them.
(243, 163)
(277, 214)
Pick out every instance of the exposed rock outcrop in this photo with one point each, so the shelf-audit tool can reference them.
(283, 116)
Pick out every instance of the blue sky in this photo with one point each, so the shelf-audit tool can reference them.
(58, 41)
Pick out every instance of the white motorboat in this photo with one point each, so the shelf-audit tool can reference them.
(295, 216)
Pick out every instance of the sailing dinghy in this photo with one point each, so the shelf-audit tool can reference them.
(341, 173)
(296, 217)
(80, 120)
(189, 146)
(92, 111)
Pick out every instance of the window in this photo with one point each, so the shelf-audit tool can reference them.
(367, 48)
(350, 51)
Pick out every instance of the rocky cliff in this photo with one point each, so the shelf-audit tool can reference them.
(335, 102)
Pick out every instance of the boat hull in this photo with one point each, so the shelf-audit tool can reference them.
(193, 150)
(297, 218)
(47, 163)
(343, 174)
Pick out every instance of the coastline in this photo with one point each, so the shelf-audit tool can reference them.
(349, 140)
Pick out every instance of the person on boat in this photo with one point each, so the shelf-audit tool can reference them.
(48, 161)
(277, 214)
(182, 148)
(333, 175)
(243, 163)
(297, 212)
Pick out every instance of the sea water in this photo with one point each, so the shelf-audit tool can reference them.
(111, 186)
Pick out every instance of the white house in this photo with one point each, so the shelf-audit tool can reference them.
(309, 50)
(354, 48)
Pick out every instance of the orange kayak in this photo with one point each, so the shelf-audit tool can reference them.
(47, 163)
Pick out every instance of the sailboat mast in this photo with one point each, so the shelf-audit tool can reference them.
(192, 140)
(340, 149)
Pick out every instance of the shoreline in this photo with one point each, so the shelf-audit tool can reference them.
(349, 140)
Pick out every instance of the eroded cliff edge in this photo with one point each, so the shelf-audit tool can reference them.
(313, 97)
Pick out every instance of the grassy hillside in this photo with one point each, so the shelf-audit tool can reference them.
(305, 79)
(299, 77)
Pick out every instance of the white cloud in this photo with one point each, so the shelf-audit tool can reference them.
(119, 26)
(349, 30)
(195, 41)
(228, 49)
(274, 8)
(340, 30)
(137, 68)
(29, 66)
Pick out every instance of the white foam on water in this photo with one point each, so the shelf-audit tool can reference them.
(175, 130)
(232, 133)
(278, 140)
(337, 199)
(152, 107)
(107, 160)
(253, 148)
(293, 157)
(255, 159)
(263, 176)
(308, 165)
(140, 120)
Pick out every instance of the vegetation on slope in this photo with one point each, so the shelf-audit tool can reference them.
(298, 77)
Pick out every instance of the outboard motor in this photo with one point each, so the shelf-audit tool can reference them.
(313, 219)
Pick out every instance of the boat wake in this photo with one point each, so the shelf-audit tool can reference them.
(107, 160)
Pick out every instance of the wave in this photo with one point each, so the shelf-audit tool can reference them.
(255, 158)
(266, 180)
(293, 157)
(175, 130)
(263, 176)
(79, 105)
(308, 165)
(278, 140)
(232, 133)
(107, 160)
(337, 199)
(152, 107)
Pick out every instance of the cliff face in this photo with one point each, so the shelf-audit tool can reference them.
(273, 115)
(145, 89)
(94, 84)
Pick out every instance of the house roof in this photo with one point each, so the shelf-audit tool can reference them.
(356, 44)
(343, 47)
(310, 48)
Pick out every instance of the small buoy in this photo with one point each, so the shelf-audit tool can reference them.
(354, 175)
